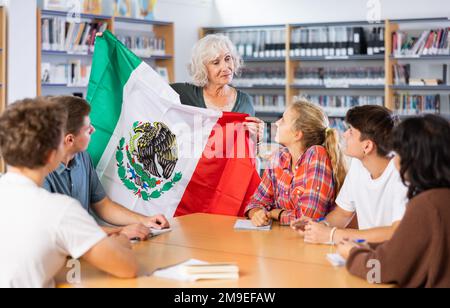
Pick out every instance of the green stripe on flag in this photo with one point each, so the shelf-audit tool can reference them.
(112, 67)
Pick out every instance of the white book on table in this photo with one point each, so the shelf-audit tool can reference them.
(194, 270)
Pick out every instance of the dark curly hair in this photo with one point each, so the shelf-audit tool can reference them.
(423, 144)
(29, 130)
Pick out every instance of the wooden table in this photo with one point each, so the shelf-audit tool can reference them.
(267, 259)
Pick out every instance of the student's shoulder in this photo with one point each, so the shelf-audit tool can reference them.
(57, 202)
(434, 198)
(317, 152)
(246, 103)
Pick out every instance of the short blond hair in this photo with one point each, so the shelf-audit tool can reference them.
(208, 49)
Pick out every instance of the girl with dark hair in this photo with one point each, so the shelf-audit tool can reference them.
(418, 253)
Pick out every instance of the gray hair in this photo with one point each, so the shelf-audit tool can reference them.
(207, 50)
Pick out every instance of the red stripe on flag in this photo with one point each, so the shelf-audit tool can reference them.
(225, 185)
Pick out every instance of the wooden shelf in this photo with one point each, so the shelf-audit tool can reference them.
(3, 65)
(433, 89)
(366, 88)
(388, 60)
(261, 87)
(343, 58)
(421, 58)
(162, 29)
(269, 59)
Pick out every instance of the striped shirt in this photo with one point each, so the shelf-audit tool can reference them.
(309, 191)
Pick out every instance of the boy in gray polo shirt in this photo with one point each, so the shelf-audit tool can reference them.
(77, 178)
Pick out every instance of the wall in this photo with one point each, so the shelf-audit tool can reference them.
(21, 56)
(257, 12)
(189, 16)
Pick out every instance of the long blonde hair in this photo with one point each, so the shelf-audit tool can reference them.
(314, 124)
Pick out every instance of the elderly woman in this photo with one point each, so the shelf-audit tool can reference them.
(215, 62)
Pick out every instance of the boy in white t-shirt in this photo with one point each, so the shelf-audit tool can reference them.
(39, 230)
(373, 189)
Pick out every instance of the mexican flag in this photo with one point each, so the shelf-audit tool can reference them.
(155, 155)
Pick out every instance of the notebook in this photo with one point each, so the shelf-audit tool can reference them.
(155, 232)
(243, 224)
(336, 260)
(194, 270)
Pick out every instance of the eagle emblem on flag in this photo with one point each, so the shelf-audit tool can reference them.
(147, 162)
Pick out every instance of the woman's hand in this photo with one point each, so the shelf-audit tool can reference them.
(317, 233)
(256, 128)
(345, 247)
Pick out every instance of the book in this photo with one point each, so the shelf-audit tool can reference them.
(59, 35)
(402, 74)
(266, 43)
(144, 46)
(336, 41)
(261, 77)
(269, 103)
(411, 105)
(429, 43)
(338, 105)
(194, 270)
(340, 77)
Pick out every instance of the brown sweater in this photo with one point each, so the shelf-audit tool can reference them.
(418, 255)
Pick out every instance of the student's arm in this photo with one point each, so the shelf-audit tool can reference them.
(113, 255)
(135, 225)
(262, 202)
(78, 235)
(318, 233)
(405, 259)
(340, 218)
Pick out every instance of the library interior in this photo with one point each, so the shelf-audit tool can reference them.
(225, 144)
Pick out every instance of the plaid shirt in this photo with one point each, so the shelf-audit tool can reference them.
(309, 191)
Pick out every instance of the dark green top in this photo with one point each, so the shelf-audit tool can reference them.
(192, 95)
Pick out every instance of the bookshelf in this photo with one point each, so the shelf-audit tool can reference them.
(76, 58)
(412, 94)
(375, 50)
(3, 65)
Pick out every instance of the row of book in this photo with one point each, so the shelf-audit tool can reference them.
(340, 77)
(259, 43)
(337, 106)
(60, 35)
(337, 41)
(402, 76)
(73, 73)
(261, 77)
(429, 43)
(410, 105)
(144, 46)
(140, 9)
(269, 103)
